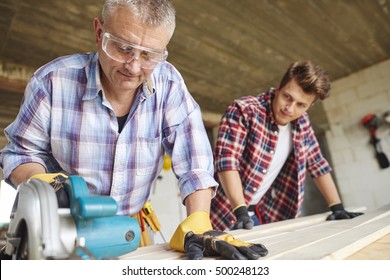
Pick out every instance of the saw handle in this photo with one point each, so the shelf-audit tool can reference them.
(94, 206)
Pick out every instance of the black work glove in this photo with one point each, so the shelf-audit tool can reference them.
(218, 243)
(56, 180)
(339, 213)
(243, 219)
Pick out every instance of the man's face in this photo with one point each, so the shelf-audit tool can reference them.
(127, 77)
(290, 103)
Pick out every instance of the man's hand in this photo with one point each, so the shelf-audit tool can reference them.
(56, 180)
(195, 237)
(339, 213)
(243, 219)
(219, 243)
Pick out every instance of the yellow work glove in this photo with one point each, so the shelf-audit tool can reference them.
(197, 239)
(56, 180)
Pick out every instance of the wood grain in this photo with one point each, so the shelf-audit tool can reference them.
(307, 238)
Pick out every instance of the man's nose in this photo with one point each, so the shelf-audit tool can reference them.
(133, 64)
(289, 107)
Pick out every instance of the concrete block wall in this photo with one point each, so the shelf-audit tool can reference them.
(360, 179)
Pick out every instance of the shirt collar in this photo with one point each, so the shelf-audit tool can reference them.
(268, 97)
(93, 86)
(147, 89)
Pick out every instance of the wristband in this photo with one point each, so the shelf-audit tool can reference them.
(241, 211)
(238, 206)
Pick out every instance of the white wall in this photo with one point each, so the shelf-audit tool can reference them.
(7, 197)
(360, 179)
(166, 202)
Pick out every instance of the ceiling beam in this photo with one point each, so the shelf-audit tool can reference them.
(14, 77)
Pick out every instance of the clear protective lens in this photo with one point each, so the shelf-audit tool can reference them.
(125, 52)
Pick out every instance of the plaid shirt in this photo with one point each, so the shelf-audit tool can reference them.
(246, 142)
(65, 123)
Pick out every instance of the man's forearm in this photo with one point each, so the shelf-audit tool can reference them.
(232, 185)
(25, 171)
(328, 189)
(199, 201)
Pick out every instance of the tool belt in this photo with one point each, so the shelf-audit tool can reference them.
(147, 219)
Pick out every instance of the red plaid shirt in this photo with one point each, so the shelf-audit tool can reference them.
(246, 142)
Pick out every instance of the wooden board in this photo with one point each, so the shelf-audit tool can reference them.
(305, 238)
(378, 250)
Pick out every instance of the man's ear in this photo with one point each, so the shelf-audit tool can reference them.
(97, 26)
(314, 101)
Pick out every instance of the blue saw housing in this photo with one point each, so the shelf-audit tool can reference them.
(104, 234)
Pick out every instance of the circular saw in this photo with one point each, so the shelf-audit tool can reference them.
(88, 229)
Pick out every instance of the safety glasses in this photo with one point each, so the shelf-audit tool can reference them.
(125, 52)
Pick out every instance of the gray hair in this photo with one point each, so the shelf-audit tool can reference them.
(151, 12)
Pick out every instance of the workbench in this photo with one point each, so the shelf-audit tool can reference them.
(291, 244)
(306, 238)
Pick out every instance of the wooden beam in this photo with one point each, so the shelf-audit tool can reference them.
(16, 86)
(211, 119)
(14, 77)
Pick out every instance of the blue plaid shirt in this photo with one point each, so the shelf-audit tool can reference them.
(66, 124)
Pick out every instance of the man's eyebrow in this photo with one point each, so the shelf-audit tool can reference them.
(292, 97)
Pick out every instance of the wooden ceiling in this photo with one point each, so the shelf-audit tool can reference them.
(224, 48)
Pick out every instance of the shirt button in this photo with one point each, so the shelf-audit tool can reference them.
(272, 152)
(264, 171)
(255, 189)
(276, 132)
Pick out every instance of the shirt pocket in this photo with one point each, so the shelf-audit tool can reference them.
(149, 153)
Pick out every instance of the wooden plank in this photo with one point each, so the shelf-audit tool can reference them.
(378, 250)
(155, 252)
(334, 243)
(375, 232)
(337, 239)
(283, 227)
(162, 251)
(309, 237)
